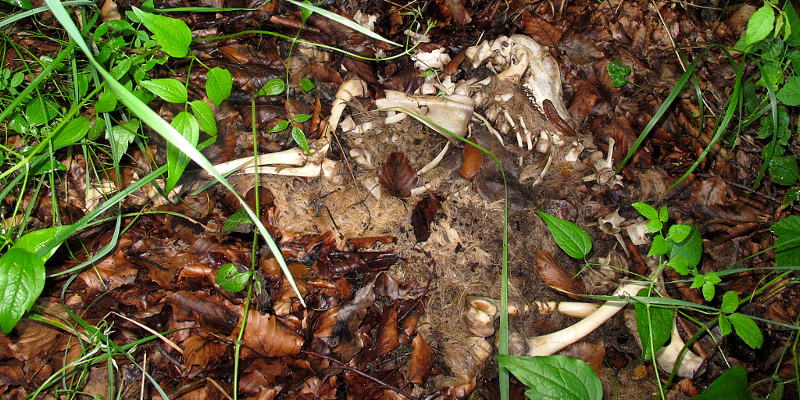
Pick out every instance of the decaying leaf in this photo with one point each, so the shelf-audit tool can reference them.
(554, 276)
(397, 176)
(267, 336)
(421, 361)
(424, 214)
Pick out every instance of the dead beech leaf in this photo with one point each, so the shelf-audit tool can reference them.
(455, 10)
(421, 361)
(397, 176)
(210, 312)
(591, 353)
(199, 353)
(267, 336)
(388, 333)
(554, 276)
(540, 30)
(472, 162)
(423, 215)
(365, 242)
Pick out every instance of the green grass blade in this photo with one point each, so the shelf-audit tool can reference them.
(169, 133)
(344, 21)
(25, 14)
(660, 112)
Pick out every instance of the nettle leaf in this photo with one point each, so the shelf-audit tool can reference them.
(171, 34)
(691, 248)
(306, 85)
(747, 330)
(177, 161)
(273, 87)
(74, 131)
(219, 83)
(168, 89)
(760, 25)
(570, 237)
(618, 73)
(237, 221)
(783, 170)
(554, 377)
(300, 138)
(789, 94)
(731, 385)
(22, 277)
(230, 279)
(205, 117)
(39, 240)
(787, 243)
(652, 322)
(646, 210)
(730, 302)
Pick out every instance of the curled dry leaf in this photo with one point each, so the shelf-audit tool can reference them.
(267, 336)
(591, 353)
(540, 30)
(421, 361)
(200, 353)
(473, 160)
(388, 334)
(424, 213)
(397, 176)
(554, 276)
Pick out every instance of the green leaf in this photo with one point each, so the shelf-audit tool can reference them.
(731, 385)
(219, 83)
(787, 243)
(74, 131)
(698, 281)
(301, 118)
(306, 85)
(570, 237)
(51, 165)
(646, 210)
(680, 265)
(654, 225)
(121, 136)
(177, 161)
(171, 34)
(658, 246)
(747, 329)
(168, 89)
(300, 138)
(205, 117)
(280, 126)
(40, 111)
(724, 325)
(273, 87)
(789, 94)
(554, 377)
(305, 12)
(16, 79)
(678, 233)
(22, 277)
(40, 240)
(230, 279)
(236, 221)
(730, 302)
(792, 28)
(657, 324)
(106, 101)
(792, 196)
(663, 214)
(760, 25)
(708, 291)
(618, 73)
(783, 170)
(690, 248)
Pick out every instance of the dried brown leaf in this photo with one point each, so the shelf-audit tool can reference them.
(554, 276)
(388, 333)
(267, 336)
(210, 312)
(421, 361)
(591, 353)
(472, 162)
(199, 354)
(397, 176)
(423, 215)
(540, 30)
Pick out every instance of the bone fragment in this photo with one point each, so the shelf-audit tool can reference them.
(451, 113)
(667, 356)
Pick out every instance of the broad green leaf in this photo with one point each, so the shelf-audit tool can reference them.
(760, 25)
(698, 281)
(218, 85)
(177, 161)
(273, 87)
(680, 265)
(570, 237)
(663, 214)
(301, 118)
(730, 302)
(646, 210)
(789, 94)
(74, 131)
(230, 279)
(121, 136)
(168, 89)
(51, 165)
(22, 277)
(747, 329)
(40, 111)
(792, 196)
(16, 79)
(171, 34)
(783, 170)
(654, 225)
(300, 138)
(792, 28)
(724, 325)
(678, 233)
(690, 248)
(657, 323)
(305, 12)
(205, 117)
(787, 243)
(554, 377)
(658, 246)
(731, 385)
(618, 73)
(280, 126)
(237, 220)
(708, 290)
(306, 85)
(106, 101)
(41, 240)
